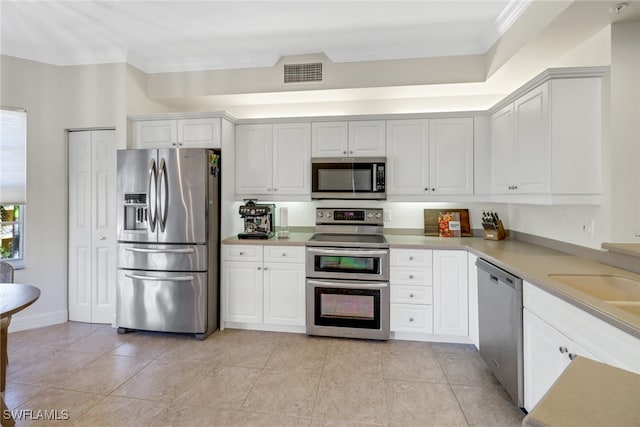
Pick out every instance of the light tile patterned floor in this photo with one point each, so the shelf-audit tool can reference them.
(95, 377)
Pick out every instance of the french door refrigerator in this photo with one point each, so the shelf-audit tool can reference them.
(168, 240)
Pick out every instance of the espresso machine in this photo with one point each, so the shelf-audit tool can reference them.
(258, 220)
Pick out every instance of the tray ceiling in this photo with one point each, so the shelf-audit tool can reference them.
(164, 36)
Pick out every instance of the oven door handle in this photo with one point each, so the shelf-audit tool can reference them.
(348, 285)
(347, 252)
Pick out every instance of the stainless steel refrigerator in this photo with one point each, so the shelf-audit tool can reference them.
(168, 240)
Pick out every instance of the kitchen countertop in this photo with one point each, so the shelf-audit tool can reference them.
(575, 398)
(632, 249)
(532, 263)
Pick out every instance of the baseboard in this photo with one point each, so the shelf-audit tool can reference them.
(22, 323)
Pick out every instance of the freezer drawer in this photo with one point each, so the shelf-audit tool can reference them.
(139, 256)
(162, 301)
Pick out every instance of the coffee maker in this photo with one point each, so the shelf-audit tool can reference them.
(258, 220)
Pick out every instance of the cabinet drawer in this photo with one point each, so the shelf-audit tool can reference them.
(411, 257)
(288, 254)
(411, 276)
(411, 294)
(411, 318)
(242, 252)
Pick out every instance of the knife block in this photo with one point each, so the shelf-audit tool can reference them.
(497, 234)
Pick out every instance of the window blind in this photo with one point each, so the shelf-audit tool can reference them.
(13, 157)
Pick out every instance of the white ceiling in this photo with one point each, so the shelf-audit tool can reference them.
(163, 36)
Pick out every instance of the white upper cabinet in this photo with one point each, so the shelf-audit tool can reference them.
(451, 156)
(273, 159)
(355, 138)
(173, 133)
(430, 157)
(546, 142)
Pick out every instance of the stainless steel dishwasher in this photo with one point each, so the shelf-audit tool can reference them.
(500, 326)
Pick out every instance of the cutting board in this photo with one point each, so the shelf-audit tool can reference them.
(431, 221)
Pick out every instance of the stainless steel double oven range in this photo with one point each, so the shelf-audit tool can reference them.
(348, 275)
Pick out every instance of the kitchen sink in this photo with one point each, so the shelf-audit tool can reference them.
(619, 291)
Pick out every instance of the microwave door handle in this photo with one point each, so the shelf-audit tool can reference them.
(347, 285)
(374, 177)
(346, 252)
(152, 208)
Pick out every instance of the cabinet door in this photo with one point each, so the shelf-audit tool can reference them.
(291, 158)
(450, 295)
(533, 143)
(329, 139)
(242, 292)
(544, 357)
(502, 150)
(155, 134)
(451, 156)
(367, 138)
(254, 152)
(203, 133)
(284, 294)
(408, 157)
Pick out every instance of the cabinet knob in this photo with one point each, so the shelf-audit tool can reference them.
(265, 268)
(410, 258)
(275, 189)
(426, 189)
(433, 189)
(563, 349)
(411, 276)
(240, 253)
(284, 254)
(259, 268)
(410, 295)
(410, 319)
(572, 356)
(103, 237)
(344, 152)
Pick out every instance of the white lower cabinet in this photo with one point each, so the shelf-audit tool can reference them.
(429, 294)
(263, 287)
(555, 331)
(547, 353)
(450, 293)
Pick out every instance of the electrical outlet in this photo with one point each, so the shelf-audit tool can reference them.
(387, 216)
(588, 227)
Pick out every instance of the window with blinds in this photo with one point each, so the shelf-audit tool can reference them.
(13, 182)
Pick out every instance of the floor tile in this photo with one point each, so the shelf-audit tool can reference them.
(56, 404)
(52, 367)
(103, 375)
(423, 404)
(488, 406)
(145, 345)
(219, 387)
(284, 392)
(298, 355)
(271, 420)
(354, 399)
(198, 417)
(100, 341)
(465, 368)
(250, 354)
(411, 363)
(116, 411)
(352, 360)
(159, 380)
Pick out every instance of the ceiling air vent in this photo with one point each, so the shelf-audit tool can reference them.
(303, 73)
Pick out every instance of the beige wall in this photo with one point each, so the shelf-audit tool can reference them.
(38, 88)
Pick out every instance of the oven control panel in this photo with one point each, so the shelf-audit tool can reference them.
(349, 216)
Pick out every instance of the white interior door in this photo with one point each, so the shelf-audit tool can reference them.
(92, 228)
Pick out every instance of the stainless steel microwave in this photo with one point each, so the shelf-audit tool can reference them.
(348, 178)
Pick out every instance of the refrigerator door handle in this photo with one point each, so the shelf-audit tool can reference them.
(153, 177)
(162, 251)
(160, 279)
(163, 197)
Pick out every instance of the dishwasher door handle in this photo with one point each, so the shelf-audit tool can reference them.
(493, 278)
